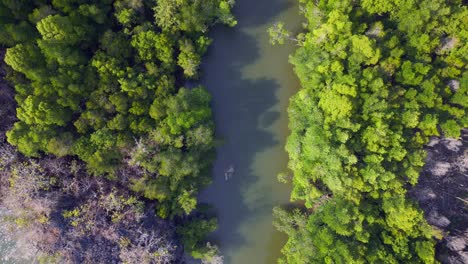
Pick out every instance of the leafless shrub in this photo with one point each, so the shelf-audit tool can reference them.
(447, 44)
(375, 30)
(454, 85)
(139, 150)
(77, 218)
(126, 209)
(28, 179)
(7, 155)
(57, 167)
(147, 248)
(452, 144)
(28, 211)
(440, 168)
(457, 243)
(461, 162)
(216, 257)
(434, 218)
(126, 173)
(77, 186)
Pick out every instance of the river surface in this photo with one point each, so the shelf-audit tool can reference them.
(251, 83)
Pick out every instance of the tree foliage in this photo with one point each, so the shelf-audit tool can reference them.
(378, 80)
(104, 81)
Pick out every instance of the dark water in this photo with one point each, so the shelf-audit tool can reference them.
(251, 83)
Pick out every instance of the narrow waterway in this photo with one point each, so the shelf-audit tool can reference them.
(251, 83)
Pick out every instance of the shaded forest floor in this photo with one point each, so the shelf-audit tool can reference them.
(442, 192)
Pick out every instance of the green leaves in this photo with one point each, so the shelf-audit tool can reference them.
(363, 50)
(192, 16)
(38, 110)
(334, 105)
(100, 80)
(278, 34)
(27, 59)
(92, 83)
(188, 58)
(30, 139)
(193, 234)
(376, 86)
(151, 46)
(188, 109)
(61, 29)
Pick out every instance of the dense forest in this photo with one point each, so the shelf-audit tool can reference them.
(106, 138)
(379, 78)
(104, 93)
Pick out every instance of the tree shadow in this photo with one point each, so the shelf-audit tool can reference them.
(241, 107)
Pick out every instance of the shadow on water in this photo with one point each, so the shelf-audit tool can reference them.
(241, 107)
